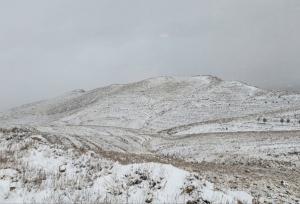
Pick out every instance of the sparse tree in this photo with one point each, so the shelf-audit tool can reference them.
(282, 120)
(265, 120)
(288, 120)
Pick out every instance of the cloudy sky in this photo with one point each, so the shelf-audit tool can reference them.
(48, 47)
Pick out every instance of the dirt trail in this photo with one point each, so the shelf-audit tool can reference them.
(174, 130)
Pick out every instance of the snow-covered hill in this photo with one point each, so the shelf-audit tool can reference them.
(201, 103)
(167, 139)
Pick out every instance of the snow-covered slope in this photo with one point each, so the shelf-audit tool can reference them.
(36, 170)
(158, 104)
(218, 138)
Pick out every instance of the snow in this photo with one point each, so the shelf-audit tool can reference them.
(50, 173)
(6, 176)
(240, 126)
(195, 119)
(43, 159)
(4, 189)
(7, 173)
(173, 180)
(155, 104)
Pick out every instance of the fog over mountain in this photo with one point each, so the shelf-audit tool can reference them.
(50, 47)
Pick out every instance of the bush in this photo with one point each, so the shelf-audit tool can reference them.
(288, 120)
(265, 120)
(282, 120)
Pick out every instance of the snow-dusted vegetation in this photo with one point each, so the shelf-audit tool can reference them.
(161, 140)
(34, 169)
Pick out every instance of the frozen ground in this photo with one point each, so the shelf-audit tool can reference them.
(161, 140)
(37, 167)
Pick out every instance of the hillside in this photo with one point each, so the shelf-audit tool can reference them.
(223, 141)
(163, 103)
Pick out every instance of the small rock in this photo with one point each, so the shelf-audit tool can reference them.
(135, 182)
(283, 183)
(191, 202)
(62, 168)
(12, 188)
(152, 184)
(189, 189)
(149, 199)
(143, 177)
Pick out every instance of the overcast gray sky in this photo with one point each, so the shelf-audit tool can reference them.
(48, 47)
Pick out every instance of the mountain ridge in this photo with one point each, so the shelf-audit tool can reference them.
(154, 104)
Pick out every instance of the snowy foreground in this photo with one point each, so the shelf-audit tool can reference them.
(33, 170)
(161, 140)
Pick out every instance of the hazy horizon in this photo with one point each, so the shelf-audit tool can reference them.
(51, 47)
